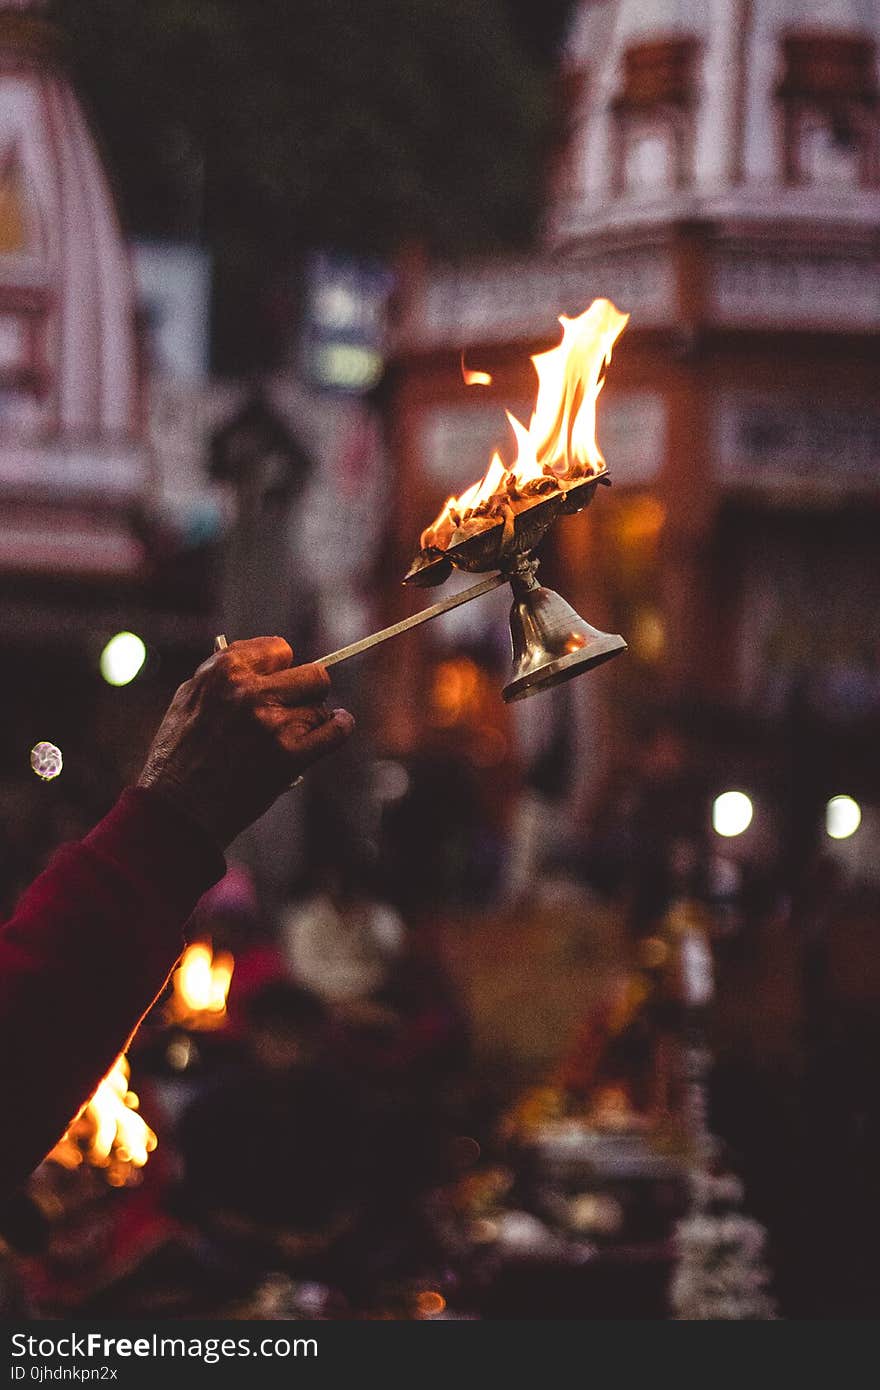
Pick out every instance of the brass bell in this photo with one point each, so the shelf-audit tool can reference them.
(551, 641)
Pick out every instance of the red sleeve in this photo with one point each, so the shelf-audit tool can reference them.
(89, 946)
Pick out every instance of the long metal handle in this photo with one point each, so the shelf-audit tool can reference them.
(426, 614)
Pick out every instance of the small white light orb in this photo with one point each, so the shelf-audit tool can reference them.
(122, 658)
(843, 816)
(46, 761)
(731, 813)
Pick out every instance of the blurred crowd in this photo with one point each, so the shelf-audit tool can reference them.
(333, 1144)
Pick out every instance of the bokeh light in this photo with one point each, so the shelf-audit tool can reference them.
(122, 658)
(46, 761)
(843, 816)
(731, 813)
(429, 1303)
(648, 634)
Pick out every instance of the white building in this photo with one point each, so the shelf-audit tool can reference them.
(718, 178)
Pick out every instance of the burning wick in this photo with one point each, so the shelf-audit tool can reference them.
(46, 761)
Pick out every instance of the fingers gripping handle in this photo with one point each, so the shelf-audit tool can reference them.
(220, 645)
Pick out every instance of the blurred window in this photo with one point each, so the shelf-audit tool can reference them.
(829, 94)
(649, 158)
(654, 116)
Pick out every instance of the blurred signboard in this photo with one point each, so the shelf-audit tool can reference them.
(173, 281)
(504, 300)
(343, 338)
(825, 289)
(499, 300)
(819, 445)
(185, 406)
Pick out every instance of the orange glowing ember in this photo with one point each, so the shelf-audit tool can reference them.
(472, 377)
(200, 987)
(559, 447)
(108, 1132)
(429, 1304)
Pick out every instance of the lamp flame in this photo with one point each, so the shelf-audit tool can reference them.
(200, 987)
(559, 447)
(108, 1132)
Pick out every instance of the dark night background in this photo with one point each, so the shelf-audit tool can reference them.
(214, 118)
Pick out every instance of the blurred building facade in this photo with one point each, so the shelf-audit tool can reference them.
(104, 372)
(717, 177)
(138, 490)
(109, 519)
(73, 457)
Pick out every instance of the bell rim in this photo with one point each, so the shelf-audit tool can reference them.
(562, 669)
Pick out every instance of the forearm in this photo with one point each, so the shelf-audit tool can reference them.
(89, 947)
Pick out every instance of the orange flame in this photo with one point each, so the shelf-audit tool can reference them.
(200, 987)
(559, 447)
(472, 377)
(108, 1132)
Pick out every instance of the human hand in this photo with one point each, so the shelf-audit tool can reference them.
(240, 731)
